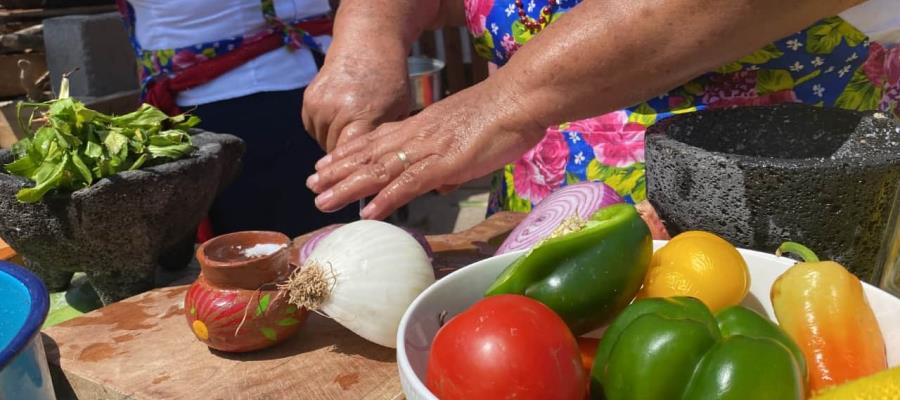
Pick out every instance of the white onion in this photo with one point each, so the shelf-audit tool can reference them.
(581, 199)
(313, 241)
(373, 271)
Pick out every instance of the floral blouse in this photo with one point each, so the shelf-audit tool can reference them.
(829, 64)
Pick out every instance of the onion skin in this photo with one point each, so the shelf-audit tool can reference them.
(310, 244)
(582, 199)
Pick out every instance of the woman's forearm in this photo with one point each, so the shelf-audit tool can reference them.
(604, 55)
(359, 23)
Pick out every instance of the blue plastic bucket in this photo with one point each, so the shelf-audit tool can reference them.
(23, 364)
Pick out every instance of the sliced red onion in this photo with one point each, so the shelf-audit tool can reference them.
(582, 199)
(310, 244)
(422, 241)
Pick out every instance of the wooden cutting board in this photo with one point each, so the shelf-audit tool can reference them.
(6, 252)
(142, 348)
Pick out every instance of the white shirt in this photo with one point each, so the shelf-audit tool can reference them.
(169, 24)
(878, 19)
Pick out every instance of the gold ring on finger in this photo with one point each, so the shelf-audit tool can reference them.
(403, 158)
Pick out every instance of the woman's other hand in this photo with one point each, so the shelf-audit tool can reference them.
(461, 138)
(364, 80)
(354, 93)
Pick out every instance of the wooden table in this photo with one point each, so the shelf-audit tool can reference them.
(142, 348)
(44, 13)
(7, 253)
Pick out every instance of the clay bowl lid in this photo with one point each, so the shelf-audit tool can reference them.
(246, 260)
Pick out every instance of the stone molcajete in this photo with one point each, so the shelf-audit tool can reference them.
(119, 230)
(759, 176)
(234, 305)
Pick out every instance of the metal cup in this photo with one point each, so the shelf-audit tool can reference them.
(424, 81)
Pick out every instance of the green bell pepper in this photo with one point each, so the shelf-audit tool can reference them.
(674, 348)
(587, 274)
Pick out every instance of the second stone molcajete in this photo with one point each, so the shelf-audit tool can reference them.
(119, 230)
(759, 176)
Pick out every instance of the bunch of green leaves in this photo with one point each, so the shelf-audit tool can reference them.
(77, 146)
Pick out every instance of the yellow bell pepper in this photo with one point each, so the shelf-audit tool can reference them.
(884, 385)
(701, 265)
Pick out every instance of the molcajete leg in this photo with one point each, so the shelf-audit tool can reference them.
(113, 284)
(55, 279)
(179, 255)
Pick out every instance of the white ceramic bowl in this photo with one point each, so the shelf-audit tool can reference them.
(459, 290)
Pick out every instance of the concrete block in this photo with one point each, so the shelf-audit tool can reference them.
(96, 44)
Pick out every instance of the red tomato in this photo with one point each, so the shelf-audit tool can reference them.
(506, 346)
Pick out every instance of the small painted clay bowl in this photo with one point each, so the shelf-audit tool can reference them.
(234, 305)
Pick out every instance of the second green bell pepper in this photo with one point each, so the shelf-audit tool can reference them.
(674, 348)
(589, 272)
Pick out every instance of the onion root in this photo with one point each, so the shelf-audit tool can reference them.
(309, 286)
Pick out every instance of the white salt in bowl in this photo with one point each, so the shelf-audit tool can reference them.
(459, 290)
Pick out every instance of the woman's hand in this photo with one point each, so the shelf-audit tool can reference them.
(364, 80)
(353, 94)
(461, 138)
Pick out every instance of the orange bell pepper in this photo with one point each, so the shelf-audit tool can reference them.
(823, 308)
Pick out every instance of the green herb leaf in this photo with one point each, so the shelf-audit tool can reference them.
(172, 151)
(64, 87)
(145, 116)
(168, 138)
(93, 150)
(184, 122)
(83, 169)
(116, 143)
(47, 176)
(138, 163)
(21, 167)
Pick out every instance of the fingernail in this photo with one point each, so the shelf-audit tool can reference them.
(323, 161)
(367, 211)
(324, 197)
(312, 180)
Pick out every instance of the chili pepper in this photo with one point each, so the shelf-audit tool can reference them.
(822, 307)
(674, 348)
(588, 272)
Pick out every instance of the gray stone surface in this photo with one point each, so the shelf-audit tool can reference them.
(121, 229)
(826, 178)
(97, 45)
